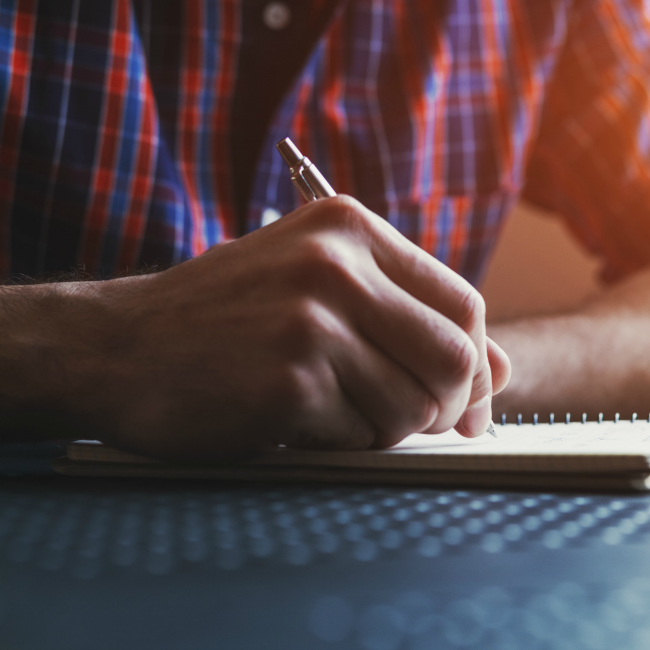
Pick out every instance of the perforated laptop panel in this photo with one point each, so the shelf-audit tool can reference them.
(140, 564)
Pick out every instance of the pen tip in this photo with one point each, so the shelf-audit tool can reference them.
(491, 430)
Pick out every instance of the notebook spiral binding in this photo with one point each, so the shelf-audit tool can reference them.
(567, 418)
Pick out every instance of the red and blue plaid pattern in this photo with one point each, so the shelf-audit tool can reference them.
(114, 133)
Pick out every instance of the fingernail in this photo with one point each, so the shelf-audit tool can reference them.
(477, 417)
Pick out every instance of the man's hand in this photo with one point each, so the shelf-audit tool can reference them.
(325, 329)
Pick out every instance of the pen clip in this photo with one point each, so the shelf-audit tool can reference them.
(301, 183)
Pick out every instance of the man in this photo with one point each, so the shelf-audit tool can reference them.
(140, 134)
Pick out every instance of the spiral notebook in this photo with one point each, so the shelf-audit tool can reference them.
(589, 456)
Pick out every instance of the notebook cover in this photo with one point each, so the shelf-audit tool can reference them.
(592, 448)
(474, 479)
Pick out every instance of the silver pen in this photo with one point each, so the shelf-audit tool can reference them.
(304, 174)
(313, 185)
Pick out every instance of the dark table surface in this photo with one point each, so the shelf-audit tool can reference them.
(96, 563)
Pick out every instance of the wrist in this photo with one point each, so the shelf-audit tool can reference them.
(61, 356)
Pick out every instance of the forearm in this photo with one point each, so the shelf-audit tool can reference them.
(595, 359)
(325, 329)
(55, 359)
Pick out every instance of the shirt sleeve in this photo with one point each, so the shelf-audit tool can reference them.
(591, 160)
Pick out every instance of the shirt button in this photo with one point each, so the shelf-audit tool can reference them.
(269, 215)
(276, 15)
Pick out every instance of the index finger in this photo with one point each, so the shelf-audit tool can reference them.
(437, 286)
(418, 274)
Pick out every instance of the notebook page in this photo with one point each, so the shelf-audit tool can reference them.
(587, 448)
(590, 447)
(591, 437)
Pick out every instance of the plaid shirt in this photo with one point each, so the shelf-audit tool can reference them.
(114, 148)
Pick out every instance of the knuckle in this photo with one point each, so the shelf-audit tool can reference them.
(345, 213)
(291, 391)
(483, 380)
(345, 201)
(329, 265)
(471, 306)
(323, 256)
(347, 206)
(427, 411)
(463, 360)
(303, 327)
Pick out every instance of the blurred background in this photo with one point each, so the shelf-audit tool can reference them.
(538, 268)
